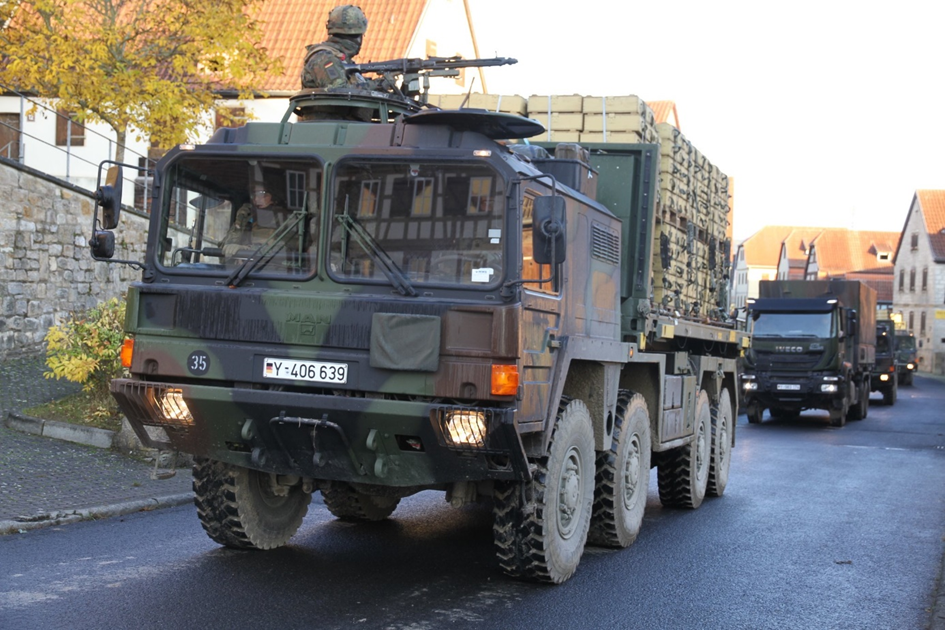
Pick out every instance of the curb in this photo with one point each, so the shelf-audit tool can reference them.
(90, 436)
(92, 513)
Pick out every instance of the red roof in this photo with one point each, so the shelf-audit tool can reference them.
(763, 248)
(841, 251)
(933, 211)
(290, 25)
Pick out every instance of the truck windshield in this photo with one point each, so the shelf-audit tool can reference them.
(792, 325)
(240, 216)
(410, 223)
(906, 343)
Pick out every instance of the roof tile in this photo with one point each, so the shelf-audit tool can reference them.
(291, 25)
(841, 251)
(933, 211)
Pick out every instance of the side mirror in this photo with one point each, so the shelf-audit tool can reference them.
(549, 227)
(102, 244)
(109, 197)
(852, 323)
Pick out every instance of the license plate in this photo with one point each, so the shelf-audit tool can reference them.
(791, 387)
(312, 371)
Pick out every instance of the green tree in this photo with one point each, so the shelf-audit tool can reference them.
(151, 66)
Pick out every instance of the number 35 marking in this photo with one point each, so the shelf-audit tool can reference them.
(198, 363)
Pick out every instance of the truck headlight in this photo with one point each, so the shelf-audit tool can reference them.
(884, 377)
(828, 388)
(466, 427)
(910, 366)
(174, 407)
(750, 386)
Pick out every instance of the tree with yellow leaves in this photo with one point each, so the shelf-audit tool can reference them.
(151, 67)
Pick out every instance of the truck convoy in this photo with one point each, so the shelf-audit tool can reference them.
(813, 347)
(430, 306)
(884, 377)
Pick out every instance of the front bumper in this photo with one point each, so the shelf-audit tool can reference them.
(399, 443)
(793, 391)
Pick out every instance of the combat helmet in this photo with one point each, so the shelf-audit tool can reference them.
(346, 19)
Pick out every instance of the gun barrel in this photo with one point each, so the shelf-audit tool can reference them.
(405, 66)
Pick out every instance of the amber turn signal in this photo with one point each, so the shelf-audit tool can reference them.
(504, 380)
(127, 349)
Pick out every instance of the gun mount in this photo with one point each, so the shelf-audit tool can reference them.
(384, 98)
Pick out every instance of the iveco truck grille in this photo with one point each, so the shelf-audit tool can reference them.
(774, 360)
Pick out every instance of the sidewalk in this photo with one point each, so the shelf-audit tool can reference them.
(45, 481)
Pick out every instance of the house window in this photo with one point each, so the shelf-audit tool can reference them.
(883, 256)
(915, 241)
(68, 132)
(912, 280)
(911, 321)
(925, 279)
(922, 324)
(902, 280)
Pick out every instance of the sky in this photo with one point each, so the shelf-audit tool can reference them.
(827, 114)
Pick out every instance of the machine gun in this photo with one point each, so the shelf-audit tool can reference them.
(412, 70)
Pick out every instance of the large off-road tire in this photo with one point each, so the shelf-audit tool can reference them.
(906, 379)
(346, 503)
(243, 508)
(838, 417)
(683, 472)
(623, 476)
(723, 426)
(541, 525)
(860, 410)
(891, 393)
(755, 414)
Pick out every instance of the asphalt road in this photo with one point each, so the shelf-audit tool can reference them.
(819, 528)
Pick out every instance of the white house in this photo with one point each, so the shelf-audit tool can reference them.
(919, 294)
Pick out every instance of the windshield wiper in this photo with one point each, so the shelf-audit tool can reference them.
(269, 248)
(394, 273)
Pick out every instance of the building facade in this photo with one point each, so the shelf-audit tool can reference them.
(919, 278)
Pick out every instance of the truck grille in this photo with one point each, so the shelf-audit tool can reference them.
(775, 360)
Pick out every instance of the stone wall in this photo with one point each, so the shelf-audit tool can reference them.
(46, 270)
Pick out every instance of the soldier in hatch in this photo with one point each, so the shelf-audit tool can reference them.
(325, 62)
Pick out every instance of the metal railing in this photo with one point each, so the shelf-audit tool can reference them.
(145, 163)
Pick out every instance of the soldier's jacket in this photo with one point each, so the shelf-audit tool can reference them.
(248, 230)
(324, 66)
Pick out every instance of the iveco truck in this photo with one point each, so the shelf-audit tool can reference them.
(813, 347)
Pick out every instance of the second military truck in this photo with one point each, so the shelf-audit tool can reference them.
(813, 347)
(427, 309)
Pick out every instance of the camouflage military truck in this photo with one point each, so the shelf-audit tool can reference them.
(906, 363)
(884, 377)
(431, 310)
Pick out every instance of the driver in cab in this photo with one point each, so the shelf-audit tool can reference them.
(254, 223)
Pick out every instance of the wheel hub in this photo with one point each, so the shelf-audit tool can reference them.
(569, 494)
(631, 472)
